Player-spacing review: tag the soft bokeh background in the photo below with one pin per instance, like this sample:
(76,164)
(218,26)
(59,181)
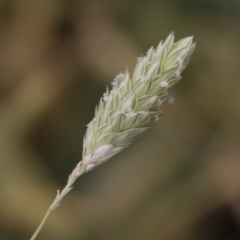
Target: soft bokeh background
(180,181)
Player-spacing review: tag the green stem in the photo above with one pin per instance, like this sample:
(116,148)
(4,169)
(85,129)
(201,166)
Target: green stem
(41,224)
(77,172)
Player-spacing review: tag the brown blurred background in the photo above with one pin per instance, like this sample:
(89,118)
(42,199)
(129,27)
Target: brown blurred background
(180,181)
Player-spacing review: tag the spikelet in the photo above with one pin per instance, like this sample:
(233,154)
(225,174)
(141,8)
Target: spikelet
(125,112)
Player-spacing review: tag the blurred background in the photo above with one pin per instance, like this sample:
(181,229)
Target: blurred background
(180,181)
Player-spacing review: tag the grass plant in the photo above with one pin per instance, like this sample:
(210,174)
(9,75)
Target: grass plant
(126,110)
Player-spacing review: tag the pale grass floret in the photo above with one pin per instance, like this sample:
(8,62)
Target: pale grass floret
(171,100)
(117,78)
(164,83)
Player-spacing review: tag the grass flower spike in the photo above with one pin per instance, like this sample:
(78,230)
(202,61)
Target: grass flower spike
(125,112)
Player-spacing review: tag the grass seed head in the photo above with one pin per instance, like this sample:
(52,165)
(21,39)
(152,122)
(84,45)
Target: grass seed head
(125,112)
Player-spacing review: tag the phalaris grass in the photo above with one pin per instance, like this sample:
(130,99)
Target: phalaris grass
(125,112)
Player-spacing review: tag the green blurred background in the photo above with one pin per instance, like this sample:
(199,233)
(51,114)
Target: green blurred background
(181,181)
